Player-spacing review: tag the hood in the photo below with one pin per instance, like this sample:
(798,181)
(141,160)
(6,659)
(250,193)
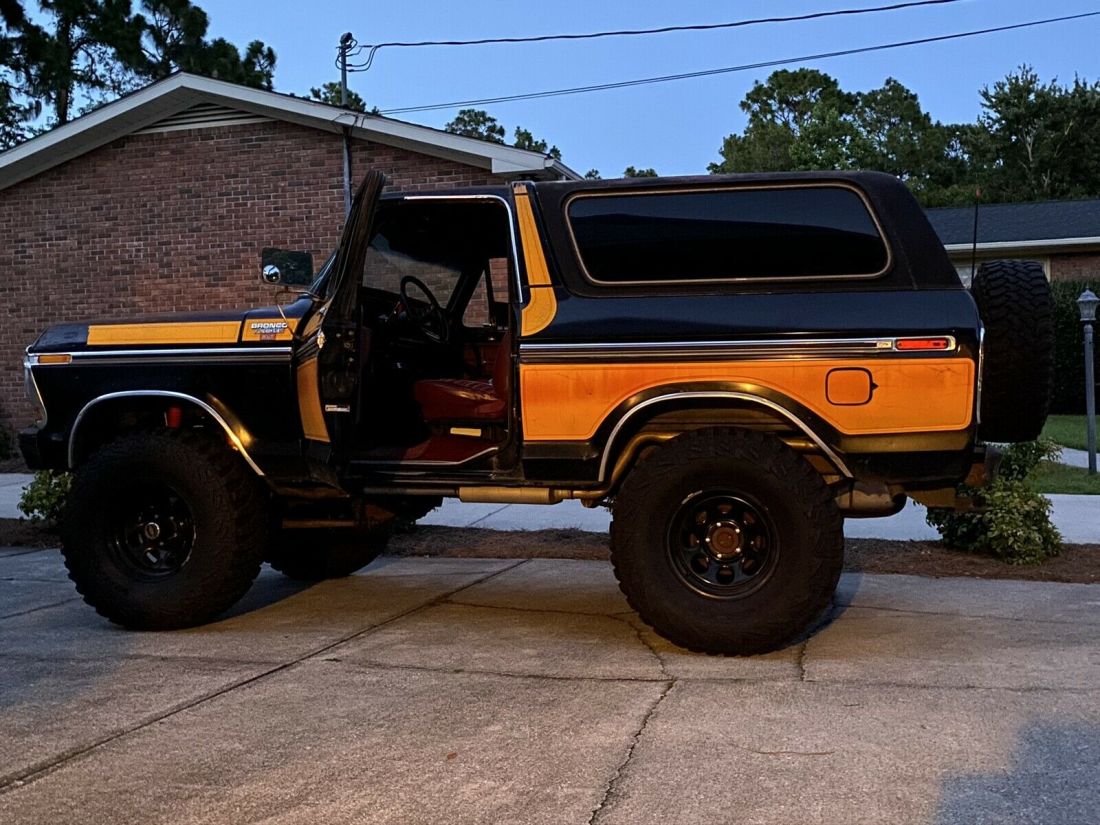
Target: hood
(220,328)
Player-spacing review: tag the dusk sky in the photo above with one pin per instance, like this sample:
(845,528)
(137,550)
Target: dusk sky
(674,127)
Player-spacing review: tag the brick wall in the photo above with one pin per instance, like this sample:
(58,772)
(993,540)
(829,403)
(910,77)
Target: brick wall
(176,221)
(1084,267)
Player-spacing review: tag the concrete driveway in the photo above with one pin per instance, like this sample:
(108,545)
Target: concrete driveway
(454,691)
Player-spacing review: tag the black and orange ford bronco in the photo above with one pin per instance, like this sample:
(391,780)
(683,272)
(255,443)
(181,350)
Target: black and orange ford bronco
(733,365)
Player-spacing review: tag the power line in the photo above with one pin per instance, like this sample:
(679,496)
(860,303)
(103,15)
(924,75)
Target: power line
(373,49)
(731,69)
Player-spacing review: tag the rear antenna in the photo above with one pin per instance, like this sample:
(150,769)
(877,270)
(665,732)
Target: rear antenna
(974,246)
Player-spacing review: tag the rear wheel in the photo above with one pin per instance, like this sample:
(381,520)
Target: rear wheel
(163,529)
(726,541)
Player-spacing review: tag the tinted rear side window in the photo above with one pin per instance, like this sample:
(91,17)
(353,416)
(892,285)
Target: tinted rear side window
(745,234)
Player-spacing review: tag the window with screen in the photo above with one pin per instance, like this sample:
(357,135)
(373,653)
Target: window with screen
(727,234)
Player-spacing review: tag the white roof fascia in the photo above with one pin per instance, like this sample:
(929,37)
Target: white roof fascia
(180,91)
(1008,246)
(127,114)
(497,157)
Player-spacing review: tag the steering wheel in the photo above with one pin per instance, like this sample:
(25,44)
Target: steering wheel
(432,321)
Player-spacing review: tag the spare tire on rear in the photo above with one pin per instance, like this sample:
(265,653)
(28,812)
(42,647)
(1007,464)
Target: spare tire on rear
(1016,306)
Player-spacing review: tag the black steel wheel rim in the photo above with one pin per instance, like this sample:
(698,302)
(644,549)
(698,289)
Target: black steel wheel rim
(152,532)
(722,544)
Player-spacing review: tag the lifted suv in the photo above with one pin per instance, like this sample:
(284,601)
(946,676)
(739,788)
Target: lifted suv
(732,364)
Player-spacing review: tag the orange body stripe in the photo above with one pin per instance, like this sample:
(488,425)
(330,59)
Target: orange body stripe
(309,401)
(181,332)
(543,306)
(569,401)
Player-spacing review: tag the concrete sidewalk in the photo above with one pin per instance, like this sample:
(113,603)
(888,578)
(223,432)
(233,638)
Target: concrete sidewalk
(1074,458)
(1078,517)
(11,490)
(479,691)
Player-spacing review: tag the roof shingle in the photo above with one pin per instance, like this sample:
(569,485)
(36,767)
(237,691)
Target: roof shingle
(1015,222)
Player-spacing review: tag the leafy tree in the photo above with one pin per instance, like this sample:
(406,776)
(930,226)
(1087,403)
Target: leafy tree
(593,174)
(224,61)
(525,140)
(79,49)
(476,123)
(330,93)
(1039,140)
(631,172)
(779,111)
(15,107)
(94,50)
(174,39)
(801,120)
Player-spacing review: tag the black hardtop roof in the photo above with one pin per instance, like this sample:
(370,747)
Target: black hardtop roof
(864,180)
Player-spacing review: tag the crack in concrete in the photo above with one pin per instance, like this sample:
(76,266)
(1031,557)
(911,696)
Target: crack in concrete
(639,631)
(615,616)
(40,607)
(611,789)
(1086,691)
(25,552)
(1080,620)
(138,656)
(462,671)
(801,660)
(34,772)
(34,580)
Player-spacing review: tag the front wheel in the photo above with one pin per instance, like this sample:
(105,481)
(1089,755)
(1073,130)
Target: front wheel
(163,530)
(726,541)
(316,555)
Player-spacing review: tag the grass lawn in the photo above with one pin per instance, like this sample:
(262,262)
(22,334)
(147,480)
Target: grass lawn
(1058,478)
(1067,430)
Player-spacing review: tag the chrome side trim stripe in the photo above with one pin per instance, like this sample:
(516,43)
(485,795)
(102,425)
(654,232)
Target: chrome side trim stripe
(402,464)
(716,394)
(234,437)
(717,350)
(981,373)
(279,353)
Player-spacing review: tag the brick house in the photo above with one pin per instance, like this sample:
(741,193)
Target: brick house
(163,200)
(1064,236)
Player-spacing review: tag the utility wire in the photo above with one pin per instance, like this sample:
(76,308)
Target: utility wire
(731,69)
(373,49)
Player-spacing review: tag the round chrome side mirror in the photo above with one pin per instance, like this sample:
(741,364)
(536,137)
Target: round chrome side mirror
(271,274)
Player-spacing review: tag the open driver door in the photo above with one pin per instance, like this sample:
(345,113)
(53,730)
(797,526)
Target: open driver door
(326,358)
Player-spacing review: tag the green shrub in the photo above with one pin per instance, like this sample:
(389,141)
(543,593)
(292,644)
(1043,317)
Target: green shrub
(44,498)
(1069,358)
(1012,522)
(1018,461)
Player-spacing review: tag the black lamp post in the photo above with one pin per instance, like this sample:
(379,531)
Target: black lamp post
(1087,303)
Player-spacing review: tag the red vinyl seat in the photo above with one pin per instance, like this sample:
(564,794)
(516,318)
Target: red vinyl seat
(463,399)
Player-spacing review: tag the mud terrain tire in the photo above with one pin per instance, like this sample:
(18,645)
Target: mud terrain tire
(163,529)
(1016,306)
(726,541)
